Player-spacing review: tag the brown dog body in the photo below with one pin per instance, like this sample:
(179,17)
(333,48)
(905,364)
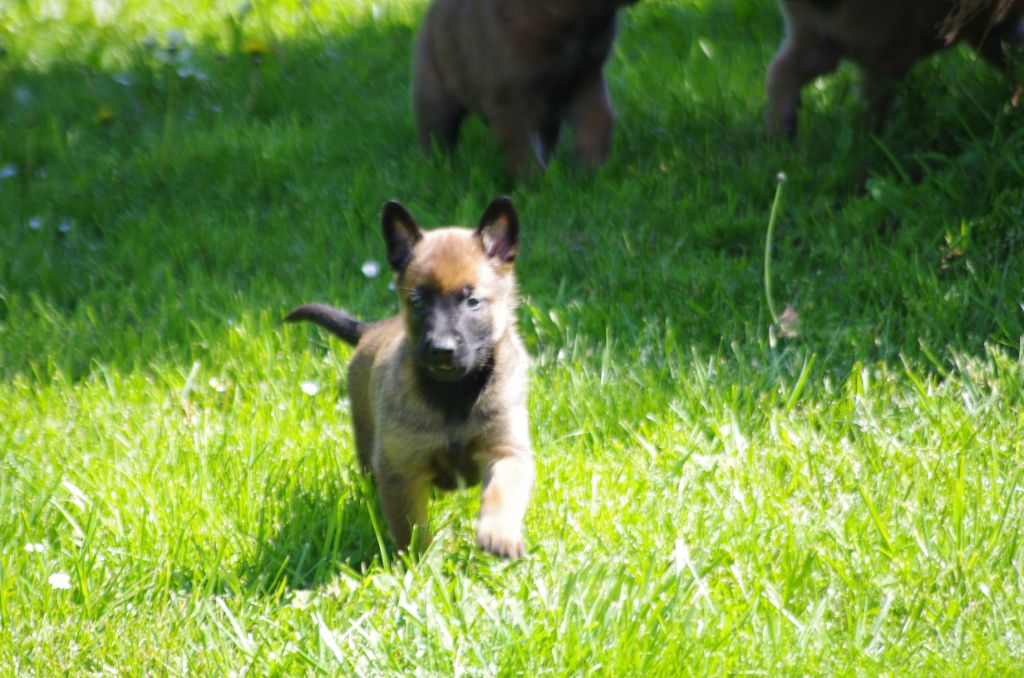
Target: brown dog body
(526,66)
(885,38)
(438,392)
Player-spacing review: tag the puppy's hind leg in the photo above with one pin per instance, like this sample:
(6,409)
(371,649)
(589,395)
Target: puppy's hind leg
(547,137)
(518,137)
(592,119)
(404,500)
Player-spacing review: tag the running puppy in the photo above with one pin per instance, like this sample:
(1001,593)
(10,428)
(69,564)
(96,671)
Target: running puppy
(886,38)
(526,66)
(438,391)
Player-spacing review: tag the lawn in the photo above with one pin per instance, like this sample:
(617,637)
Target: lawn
(717,492)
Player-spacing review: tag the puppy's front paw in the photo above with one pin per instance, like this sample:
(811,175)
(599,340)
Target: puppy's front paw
(780,121)
(500,537)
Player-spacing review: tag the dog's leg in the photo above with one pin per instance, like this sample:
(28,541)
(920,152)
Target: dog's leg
(803,57)
(878,90)
(591,117)
(438,115)
(404,501)
(548,137)
(516,130)
(506,491)
(362,414)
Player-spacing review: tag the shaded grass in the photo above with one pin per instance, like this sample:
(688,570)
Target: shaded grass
(709,499)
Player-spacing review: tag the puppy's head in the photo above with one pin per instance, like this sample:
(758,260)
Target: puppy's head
(456,286)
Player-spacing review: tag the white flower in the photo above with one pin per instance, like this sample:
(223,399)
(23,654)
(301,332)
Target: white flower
(64,226)
(310,388)
(371,268)
(301,598)
(9,170)
(174,37)
(38,547)
(190,71)
(23,95)
(35,223)
(59,580)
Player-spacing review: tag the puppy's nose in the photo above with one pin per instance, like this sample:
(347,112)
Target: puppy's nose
(440,355)
(441,349)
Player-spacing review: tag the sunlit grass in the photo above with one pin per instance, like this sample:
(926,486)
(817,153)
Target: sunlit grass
(178,489)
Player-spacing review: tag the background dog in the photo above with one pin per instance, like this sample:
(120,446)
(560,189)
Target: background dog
(438,391)
(885,37)
(525,65)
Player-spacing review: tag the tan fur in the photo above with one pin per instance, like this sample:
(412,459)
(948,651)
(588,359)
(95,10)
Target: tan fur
(401,437)
(524,65)
(885,38)
(449,262)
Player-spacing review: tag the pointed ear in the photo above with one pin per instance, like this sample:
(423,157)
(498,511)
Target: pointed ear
(400,233)
(499,230)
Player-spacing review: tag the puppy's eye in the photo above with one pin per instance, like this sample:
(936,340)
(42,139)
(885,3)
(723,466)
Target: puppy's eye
(417,304)
(474,303)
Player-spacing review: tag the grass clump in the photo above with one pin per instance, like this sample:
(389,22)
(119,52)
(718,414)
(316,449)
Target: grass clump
(178,489)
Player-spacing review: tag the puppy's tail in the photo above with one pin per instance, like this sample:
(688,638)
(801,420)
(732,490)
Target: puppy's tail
(335,320)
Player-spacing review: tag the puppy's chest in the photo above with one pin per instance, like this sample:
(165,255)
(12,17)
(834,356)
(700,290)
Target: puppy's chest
(454,467)
(449,453)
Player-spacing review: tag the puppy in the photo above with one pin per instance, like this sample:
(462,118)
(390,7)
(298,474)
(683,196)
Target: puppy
(526,66)
(886,38)
(438,391)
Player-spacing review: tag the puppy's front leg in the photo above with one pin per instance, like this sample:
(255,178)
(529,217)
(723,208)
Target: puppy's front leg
(438,114)
(404,501)
(507,481)
(802,58)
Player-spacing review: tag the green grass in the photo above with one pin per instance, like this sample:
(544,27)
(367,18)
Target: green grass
(712,497)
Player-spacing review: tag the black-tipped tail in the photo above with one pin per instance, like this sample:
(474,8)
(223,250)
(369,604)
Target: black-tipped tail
(333,319)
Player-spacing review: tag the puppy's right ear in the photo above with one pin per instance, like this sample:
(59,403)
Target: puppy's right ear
(400,233)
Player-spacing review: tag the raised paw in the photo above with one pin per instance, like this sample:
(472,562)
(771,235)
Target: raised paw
(500,537)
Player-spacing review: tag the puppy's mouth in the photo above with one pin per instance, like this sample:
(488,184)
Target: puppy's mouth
(446,371)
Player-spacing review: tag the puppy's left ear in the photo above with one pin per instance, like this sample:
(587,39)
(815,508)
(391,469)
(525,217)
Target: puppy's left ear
(499,230)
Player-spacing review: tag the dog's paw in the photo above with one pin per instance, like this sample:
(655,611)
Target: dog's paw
(500,537)
(780,124)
